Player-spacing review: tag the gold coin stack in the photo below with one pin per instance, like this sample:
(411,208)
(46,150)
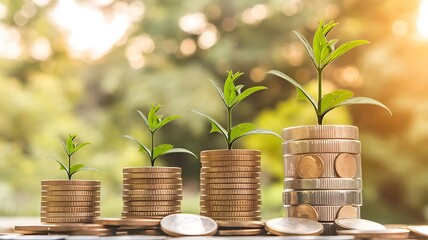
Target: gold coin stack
(70,201)
(151,192)
(322,173)
(230,188)
(66,229)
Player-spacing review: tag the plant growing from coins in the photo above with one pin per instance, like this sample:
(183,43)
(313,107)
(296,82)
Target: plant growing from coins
(70,148)
(322,53)
(231,95)
(154,122)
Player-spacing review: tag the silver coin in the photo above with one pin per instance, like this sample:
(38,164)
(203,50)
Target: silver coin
(322,146)
(320,132)
(293,226)
(323,183)
(323,197)
(357,224)
(184,224)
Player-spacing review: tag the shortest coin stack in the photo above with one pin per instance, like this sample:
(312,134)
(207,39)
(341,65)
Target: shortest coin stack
(149,227)
(66,229)
(70,201)
(152,192)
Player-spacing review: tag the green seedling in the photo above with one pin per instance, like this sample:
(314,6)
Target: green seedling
(322,53)
(154,122)
(231,95)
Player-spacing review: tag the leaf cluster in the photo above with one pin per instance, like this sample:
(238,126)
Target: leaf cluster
(154,122)
(322,53)
(232,94)
(71,147)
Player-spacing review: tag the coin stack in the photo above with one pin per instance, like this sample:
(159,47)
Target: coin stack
(230,188)
(70,201)
(322,173)
(66,229)
(151,192)
(132,226)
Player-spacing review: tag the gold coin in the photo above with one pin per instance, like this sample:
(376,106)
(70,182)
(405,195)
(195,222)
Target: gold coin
(70,204)
(231,203)
(127,222)
(150,175)
(241,232)
(151,208)
(231,158)
(151,186)
(153,181)
(240,224)
(148,214)
(71,198)
(70,188)
(230,186)
(130,198)
(232,163)
(184,224)
(66,219)
(57,227)
(231,175)
(237,219)
(69,214)
(346,165)
(230,169)
(390,233)
(152,203)
(227,197)
(325,213)
(293,226)
(231,214)
(348,211)
(152,170)
(419,231)
(145,232)
(70,193)
(322,146)
(310,166)
(70,209)
(152,192)
(230,180)
(230,152)
(306,211)
(33,232)
(357,224)
(94,232)
(230,191)
(71,182)
(230,208)
(320,132)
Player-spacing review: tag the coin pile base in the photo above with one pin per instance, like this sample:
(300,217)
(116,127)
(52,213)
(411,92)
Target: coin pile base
(149,226)
(237,228)
(66,229)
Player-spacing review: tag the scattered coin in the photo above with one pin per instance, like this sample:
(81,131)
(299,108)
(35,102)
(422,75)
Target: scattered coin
(310,166)
(419,231)
(241,232)
(293,226)
(390,233)
(145,232)
(188,225)
(357,224)
(55,228)
(148,214)
(346,165)
(127,222)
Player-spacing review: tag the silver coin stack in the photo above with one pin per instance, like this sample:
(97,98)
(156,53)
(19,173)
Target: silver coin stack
(322,175)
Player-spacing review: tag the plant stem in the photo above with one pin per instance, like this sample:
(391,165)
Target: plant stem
(320,117)
(69,167)
(152,150)
(229,127)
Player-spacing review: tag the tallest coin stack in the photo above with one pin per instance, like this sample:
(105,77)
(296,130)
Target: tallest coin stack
(322,173)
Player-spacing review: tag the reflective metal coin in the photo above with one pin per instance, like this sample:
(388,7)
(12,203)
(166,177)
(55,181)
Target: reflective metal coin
(323,197)
(390,233)
(140,186)
(322,146)
(184,224)
(348,211)
(310,166)
(127,222)
(321,132)
(357,224)
(293,226)
(240,224)
(241,232)
(306,211)
(231,214)
(152,170)
(230,180)
(230,175)
(323,184)
(71,182)
(327,213)
(152,181)
(346,165)
(230,169)
(419,231)
(230,152)
(151,175)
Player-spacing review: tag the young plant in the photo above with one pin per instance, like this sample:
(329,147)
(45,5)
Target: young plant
(70,148)
(154,122)
(232,95)
(322,53)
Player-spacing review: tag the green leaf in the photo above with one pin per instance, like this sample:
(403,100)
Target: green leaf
(229,91)
(328,27)
(161,149)
(257,131)
(142,146)
(361,100)
(178,150)
(307,46)
(343,49)
(144,118)
(318,43)
(299,87)
(239,88)
(77,147)
(215,126)
(153,119)
(334,98)
(166,121)
(240,130)
(247,92)
(62,167)
(76,168)
(69,144)
(219,91)
(328,49)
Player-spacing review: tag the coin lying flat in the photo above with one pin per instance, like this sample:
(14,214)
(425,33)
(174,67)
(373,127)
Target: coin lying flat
(320,132)
(127,222)
(322,146)
(323,197)
(240,224)
(357,224)
(230,152)
(152,170)
(293,226)
(390,233)
(230,180)
(58,227)
(241,232)
(419,231)
(153,181)
(184,224)
(71,182)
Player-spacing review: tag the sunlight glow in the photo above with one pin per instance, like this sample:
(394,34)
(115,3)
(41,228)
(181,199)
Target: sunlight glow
(193,23)
(188,47)
(10,42)
(422,21)
(399,28)
(254,14)
(208,37)
(40,49)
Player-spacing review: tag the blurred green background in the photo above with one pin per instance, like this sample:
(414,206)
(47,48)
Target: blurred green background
(85,67)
